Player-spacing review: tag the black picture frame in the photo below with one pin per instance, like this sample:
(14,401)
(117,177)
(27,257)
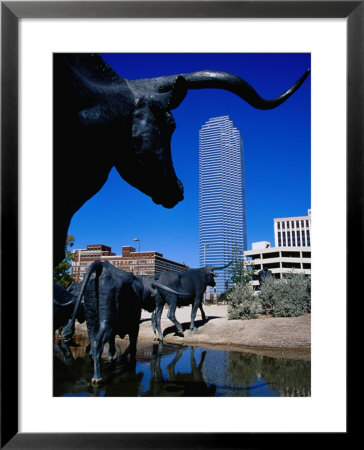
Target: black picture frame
(11,13)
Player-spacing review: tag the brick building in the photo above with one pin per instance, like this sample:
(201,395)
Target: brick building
(140,263)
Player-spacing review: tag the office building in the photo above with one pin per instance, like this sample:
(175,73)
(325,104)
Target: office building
(279,260)
(293,231)
(222,210)
(292,251)
(140,263)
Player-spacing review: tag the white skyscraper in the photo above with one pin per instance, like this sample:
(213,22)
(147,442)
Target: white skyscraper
(222,210)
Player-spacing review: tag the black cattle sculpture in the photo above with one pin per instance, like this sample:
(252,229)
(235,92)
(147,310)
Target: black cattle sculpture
(113,300)
(151,288)
(263,275)
(154,316)
(64,302)
(193,284)
(102,121)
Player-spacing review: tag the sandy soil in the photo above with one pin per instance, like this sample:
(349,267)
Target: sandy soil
(287,332)
(288,336)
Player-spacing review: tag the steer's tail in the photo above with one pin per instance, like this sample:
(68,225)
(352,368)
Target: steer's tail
(96,267)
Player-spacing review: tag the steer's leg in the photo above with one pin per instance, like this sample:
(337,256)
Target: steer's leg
(202,312)
(68,332)
(112,347)
(91,336)
(154,322)
(171,316)
(133,337)
(158,316)
(193,314)
(102,336)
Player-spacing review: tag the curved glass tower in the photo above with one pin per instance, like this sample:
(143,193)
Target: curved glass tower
(222,210)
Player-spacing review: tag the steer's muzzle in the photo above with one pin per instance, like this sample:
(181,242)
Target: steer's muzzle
(169,197)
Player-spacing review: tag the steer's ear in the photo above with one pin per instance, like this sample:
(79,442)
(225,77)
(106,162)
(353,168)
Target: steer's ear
(171,97)
(178,92)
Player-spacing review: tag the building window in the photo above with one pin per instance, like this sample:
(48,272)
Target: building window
(279,239)
(283,225)
(298,238)
(294,239)
(308,238)
(297,223)
(307,225)
(278,225)
(287,225)
(292,223)
(303,238)
(302,223)
(284,239)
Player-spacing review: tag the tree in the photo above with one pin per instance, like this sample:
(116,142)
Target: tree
(62,273)
(238,270)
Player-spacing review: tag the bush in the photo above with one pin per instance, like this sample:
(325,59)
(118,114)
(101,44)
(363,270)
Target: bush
(289,297)
(223,296)
(243,304)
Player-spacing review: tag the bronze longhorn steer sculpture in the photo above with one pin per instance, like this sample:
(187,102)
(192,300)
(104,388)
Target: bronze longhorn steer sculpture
(102,120)
(113,300)
(193,284)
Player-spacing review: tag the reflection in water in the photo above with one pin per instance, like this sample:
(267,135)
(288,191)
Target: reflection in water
(282,377)
(166,370)
(181,384)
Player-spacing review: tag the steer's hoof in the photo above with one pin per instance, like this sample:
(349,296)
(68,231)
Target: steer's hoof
(195,330)
(96,381)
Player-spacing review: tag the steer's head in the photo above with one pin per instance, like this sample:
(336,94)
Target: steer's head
(210,277)
(211,274)
(151,168)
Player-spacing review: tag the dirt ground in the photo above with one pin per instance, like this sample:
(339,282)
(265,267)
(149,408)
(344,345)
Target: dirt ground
(288,337)
(265,332)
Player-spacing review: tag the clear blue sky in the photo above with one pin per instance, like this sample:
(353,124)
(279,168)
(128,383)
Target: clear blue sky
(277,151)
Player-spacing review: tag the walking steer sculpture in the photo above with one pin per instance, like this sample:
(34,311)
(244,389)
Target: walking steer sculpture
(113,300)
(103,121)
(193,284)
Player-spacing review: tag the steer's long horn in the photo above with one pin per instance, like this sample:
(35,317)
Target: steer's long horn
(165,288)
(221,267)
(62,304)
(222,80)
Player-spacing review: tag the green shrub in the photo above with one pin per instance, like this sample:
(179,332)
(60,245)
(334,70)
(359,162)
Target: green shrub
(289,297)
(243,304)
